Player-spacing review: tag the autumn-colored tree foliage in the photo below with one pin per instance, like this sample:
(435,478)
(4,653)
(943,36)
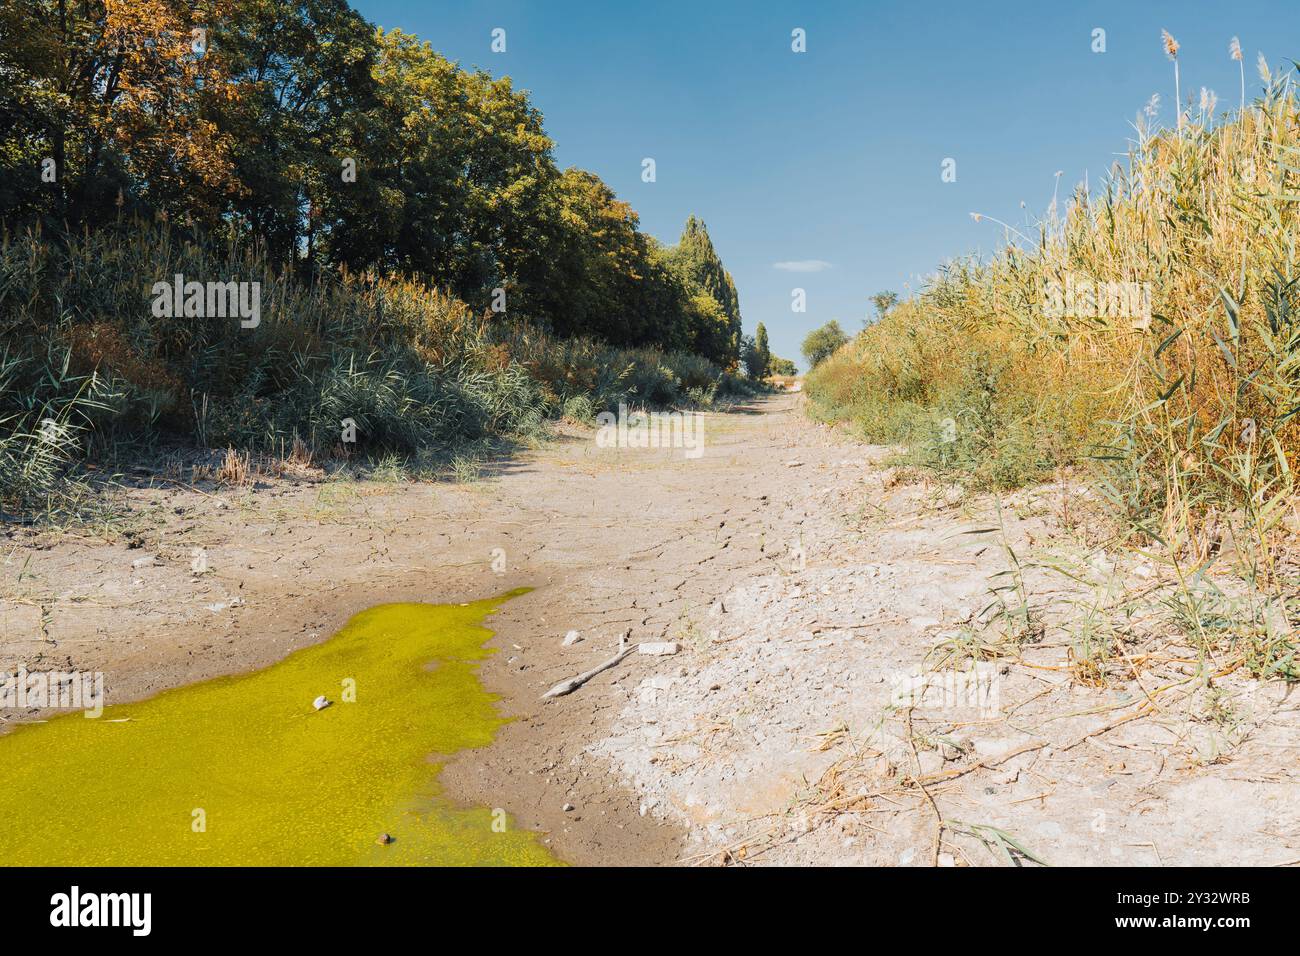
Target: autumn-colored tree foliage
(109,103)
(297,128)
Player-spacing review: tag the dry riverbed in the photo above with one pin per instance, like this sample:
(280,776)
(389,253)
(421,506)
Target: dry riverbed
(808,586)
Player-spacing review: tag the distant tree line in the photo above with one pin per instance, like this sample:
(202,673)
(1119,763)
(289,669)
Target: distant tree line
(297,126)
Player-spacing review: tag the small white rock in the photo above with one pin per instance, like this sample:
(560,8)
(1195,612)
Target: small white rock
(321,702)
(658,647)
(570,639)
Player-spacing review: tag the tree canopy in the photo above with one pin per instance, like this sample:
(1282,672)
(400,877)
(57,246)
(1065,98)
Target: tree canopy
(820,344)
(757,354)
(300,127)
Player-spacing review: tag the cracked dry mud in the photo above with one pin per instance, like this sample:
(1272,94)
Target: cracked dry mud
(805,583)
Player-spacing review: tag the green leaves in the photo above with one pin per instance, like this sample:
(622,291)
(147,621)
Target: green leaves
(716,332)
(304,129)
(1167,342)
(820,344)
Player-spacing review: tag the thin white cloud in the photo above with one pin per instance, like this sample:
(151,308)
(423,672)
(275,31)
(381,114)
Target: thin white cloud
(802,265)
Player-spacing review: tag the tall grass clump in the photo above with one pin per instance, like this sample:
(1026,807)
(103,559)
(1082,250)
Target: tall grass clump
(1151,328)
(1149,333)
(42,419)
(87,369)
(409,364)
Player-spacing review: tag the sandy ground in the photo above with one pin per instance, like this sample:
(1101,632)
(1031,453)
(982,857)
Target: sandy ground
(808,587)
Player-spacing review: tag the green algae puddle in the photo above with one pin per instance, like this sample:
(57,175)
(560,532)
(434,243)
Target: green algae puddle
(243,771)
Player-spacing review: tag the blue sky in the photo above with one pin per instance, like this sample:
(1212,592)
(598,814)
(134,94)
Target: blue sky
(834,155)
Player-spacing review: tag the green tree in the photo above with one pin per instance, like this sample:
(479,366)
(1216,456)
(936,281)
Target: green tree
(782,366)
(698,263)
(304,69)
(764,351)
(297,127)
(820,344)
(748,354)
(709,329)
(605,277)
(456,183)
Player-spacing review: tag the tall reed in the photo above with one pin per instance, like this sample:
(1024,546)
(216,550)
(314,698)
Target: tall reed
(1181,388)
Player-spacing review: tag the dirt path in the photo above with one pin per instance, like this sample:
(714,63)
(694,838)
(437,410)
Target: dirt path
(803,582)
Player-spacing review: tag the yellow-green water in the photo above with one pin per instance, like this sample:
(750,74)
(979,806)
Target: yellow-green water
(243,771)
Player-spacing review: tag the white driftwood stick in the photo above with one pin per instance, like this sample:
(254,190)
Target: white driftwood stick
(573,683)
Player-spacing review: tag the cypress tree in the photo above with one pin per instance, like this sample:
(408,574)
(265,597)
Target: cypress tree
(699,264)
(762,353)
